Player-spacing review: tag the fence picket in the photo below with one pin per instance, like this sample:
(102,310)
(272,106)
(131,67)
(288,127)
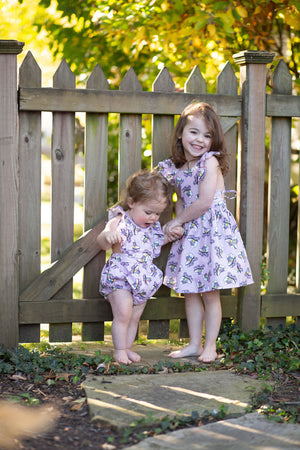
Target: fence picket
(30,188)
(62,197)
(95,197)
(9,274)
(227,84)
(279,195)
(130,137)
(162,129)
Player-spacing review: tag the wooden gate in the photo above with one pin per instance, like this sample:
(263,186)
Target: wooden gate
(29,297)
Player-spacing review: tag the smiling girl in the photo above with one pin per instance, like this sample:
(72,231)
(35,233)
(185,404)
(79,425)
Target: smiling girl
(210,255)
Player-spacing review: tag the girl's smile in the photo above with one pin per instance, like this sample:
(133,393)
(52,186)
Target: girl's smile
(196,139)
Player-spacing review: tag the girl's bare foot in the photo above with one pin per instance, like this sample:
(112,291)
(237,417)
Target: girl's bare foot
(208,355)
(122,357)
(189,350)
(134,357)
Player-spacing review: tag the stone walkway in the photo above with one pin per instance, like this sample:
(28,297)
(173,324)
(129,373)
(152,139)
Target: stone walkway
(123,400)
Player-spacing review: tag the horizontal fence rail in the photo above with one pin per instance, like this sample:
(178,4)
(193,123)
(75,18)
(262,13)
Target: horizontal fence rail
(50,99)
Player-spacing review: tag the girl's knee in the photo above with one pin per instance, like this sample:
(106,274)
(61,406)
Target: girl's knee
(212,297)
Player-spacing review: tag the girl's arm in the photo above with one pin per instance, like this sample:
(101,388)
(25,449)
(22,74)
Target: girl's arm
(110,236)
(207,189)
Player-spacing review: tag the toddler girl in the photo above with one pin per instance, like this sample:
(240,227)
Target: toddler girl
(129,277)
(210,256)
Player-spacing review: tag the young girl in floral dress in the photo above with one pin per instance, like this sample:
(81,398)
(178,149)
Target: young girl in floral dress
(129,277)
(211,255)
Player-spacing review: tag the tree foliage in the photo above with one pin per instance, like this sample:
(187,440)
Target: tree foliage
(148,34)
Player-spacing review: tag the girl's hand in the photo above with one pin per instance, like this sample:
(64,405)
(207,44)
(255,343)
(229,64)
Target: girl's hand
(176,232)
(171,224)
(108,239)
(173,232)
(113,237)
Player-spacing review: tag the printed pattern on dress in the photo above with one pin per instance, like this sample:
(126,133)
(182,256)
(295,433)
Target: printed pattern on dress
(211,254)
(133,268)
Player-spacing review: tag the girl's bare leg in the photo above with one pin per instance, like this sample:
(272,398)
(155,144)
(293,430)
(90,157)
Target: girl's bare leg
(121,305)
(213,317)
(137,311)
(194,314)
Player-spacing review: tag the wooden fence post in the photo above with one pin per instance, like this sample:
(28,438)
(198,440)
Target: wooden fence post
(251,176)
(9,274)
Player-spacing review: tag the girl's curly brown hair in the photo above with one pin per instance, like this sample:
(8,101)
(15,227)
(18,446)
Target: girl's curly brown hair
(207,113)
(143,186)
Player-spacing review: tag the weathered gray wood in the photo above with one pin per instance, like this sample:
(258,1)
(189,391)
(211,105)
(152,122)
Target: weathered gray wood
(167,103)
(251,182)
(130,137)
(162,130)
(98,310)
(183,329)
(280,305)
(195,84)
(30,189)
(38,304)
(283,105)
(95,197)
(62,195)
(279,193)
(162,126)
(70,262)
(9,273)
(227,84)
(158,329)
(49,99)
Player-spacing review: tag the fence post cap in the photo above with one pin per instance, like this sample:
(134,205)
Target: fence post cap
(11,46)
(253,57)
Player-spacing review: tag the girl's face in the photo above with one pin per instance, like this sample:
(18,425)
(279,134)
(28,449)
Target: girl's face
(147,212)
(196,139)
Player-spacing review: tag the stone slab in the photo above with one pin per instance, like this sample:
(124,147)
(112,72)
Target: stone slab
(249,432)
(120,400)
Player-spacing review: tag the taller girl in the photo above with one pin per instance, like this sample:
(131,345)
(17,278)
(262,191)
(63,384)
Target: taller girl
(211,255)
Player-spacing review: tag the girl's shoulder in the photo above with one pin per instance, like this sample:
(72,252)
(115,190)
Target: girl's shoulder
(167,169)
(202,164)
(208,155)
(115,211)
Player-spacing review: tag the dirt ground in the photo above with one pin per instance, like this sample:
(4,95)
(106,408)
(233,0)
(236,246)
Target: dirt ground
(73,428)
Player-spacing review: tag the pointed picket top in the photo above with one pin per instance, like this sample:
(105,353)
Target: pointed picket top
(130,82)
(30,74)
(164,82)
(195,84)
(226,81)
(282,79)
(97,79)
(64,78)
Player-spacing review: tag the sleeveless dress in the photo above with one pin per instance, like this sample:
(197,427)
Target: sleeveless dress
(211,254)
(133,269)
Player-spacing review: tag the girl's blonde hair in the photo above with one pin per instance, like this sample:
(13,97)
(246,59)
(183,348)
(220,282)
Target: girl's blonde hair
(144,186)
(207,113)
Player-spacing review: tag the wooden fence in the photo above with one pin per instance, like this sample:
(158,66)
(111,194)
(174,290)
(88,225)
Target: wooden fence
(29,297)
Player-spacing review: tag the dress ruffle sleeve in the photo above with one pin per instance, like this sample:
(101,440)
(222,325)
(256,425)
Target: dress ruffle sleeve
(201,164)
(168,170)
(115,211)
